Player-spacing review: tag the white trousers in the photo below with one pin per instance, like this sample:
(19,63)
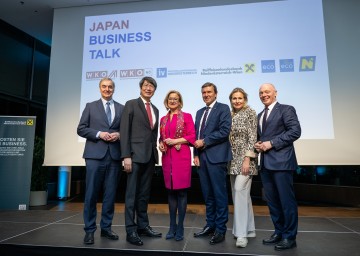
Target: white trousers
(243,211)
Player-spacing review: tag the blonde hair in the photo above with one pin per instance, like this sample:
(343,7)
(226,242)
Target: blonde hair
(235,90)
(167,98)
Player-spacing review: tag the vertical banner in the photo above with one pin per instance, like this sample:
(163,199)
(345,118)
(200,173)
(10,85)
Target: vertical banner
(16,153)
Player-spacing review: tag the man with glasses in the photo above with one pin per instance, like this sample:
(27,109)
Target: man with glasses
(139,131)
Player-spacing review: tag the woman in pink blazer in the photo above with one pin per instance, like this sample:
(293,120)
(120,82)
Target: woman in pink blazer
(177,133)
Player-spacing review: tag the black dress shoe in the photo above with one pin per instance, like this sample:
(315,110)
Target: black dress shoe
(285,244)
(274,239)
(217,238)
(207,231)
(133,238)
(109,234)
(89,238)
(148,231)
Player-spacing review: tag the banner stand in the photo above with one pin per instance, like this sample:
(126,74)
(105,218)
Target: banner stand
(17,135)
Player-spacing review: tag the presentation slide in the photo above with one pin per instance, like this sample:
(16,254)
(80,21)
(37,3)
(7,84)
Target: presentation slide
(307,48)
(184,48)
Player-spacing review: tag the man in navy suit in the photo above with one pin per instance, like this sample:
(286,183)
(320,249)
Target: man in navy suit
(100,125)
(139,131)
(212,154)
(278,128)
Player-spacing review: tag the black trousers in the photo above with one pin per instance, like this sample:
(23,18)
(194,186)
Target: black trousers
(137,195)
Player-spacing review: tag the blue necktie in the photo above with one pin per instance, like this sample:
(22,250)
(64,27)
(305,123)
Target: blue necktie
(202,126)
(108,112)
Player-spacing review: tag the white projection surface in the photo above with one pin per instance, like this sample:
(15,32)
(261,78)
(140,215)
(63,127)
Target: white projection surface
(182,49)
(235,45)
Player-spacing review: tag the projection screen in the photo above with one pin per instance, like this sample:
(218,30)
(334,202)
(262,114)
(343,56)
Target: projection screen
(291,44)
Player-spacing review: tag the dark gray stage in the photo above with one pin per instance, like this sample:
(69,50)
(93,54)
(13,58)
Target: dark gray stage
(44,232)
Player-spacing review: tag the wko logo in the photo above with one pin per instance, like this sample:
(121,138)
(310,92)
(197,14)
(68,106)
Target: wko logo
(135,73)
(307,63)
(96,74)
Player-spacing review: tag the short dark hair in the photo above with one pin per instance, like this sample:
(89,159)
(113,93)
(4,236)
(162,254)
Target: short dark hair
(207,84)
(149,80)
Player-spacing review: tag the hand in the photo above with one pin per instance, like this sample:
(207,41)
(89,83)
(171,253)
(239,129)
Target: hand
(114,136)
(196,161)
(262,146)
(105,136)
(127,164)
(266,145)
(199,144)
(257,146)
(170,142)
(245,169)
(162,147)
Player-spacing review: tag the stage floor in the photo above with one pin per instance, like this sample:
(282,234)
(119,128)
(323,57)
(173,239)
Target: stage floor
(59,231)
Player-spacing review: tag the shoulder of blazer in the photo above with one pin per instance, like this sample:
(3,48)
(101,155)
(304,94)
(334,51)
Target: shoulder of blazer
(118,104)
(220,105)
(96,102)
(279,107)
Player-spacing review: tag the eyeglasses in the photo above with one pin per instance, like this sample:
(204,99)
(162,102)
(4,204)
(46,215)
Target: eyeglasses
(173,99)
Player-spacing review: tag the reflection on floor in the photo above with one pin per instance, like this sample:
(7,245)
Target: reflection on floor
(57,229)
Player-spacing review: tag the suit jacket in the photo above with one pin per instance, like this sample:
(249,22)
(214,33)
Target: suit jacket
(282,129)
(138,140)
(93,120)
(216,133)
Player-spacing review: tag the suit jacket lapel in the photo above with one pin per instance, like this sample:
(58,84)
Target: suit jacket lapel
(100,106)
(273,112)
(143,110)
(212,112)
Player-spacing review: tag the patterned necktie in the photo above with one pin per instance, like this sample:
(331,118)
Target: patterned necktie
(264,120)
(108,112)
(148,110)
(202,126)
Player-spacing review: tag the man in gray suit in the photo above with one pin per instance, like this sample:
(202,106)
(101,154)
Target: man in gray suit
(139,131)
(278,129)
(100,125)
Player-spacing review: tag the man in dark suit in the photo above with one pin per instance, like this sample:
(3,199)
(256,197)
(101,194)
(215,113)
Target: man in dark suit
(278,128)
(139,131)
(100,125)
(212,154)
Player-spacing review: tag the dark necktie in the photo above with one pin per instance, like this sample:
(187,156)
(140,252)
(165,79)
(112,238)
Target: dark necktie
(264,120)
(108,112)
(202,126)
(262,131)
(148,111)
